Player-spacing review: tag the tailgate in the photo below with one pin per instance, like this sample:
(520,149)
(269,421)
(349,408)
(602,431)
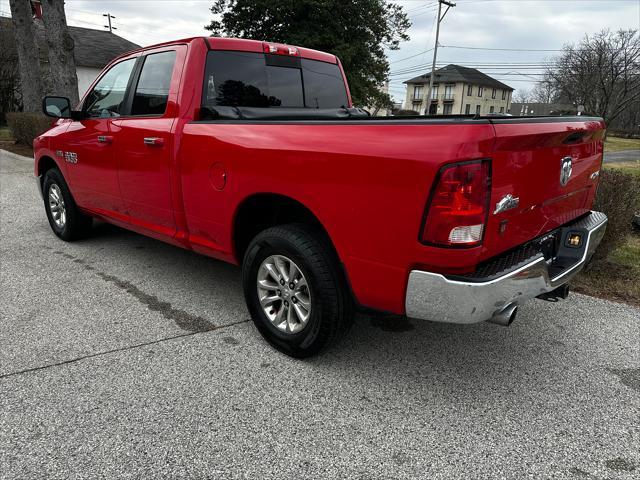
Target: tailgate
(549,165)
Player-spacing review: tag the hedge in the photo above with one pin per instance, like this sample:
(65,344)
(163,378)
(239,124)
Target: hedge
(27,126)
(619,198)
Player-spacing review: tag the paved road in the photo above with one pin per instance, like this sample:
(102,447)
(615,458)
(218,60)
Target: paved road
(622,156)
(123,356)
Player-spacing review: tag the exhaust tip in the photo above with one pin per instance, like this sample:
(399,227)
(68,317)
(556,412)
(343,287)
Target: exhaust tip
(506,316)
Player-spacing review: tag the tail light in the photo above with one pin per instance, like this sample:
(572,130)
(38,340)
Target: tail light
(458,206)
(278,49)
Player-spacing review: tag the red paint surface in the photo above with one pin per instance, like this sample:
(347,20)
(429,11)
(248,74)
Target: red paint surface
(366,183)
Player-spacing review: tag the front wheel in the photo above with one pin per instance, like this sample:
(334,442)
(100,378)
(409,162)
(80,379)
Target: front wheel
(66,220)
(295,290)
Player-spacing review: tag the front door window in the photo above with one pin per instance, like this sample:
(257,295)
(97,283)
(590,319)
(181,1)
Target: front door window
(106,99)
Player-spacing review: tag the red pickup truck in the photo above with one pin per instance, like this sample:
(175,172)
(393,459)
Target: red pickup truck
(252,153)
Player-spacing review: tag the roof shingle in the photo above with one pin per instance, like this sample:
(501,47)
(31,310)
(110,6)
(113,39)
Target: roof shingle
(456,73)
(93,48)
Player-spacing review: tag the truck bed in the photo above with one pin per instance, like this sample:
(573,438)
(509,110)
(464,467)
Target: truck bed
(368,179)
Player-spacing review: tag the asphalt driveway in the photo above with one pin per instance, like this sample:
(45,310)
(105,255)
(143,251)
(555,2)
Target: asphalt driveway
(621,156)
(121,356)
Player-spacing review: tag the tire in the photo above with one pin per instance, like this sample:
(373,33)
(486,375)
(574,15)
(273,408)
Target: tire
(65,219)
(319,281)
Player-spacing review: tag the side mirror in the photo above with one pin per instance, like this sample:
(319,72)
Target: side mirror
(58,107)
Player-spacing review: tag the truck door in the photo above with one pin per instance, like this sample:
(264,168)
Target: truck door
(88,143)
(144,141)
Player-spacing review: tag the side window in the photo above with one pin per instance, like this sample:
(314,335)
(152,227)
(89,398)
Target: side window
(152,91)
(107,97)
(323,85)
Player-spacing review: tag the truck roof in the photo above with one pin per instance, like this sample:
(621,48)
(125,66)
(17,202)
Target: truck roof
(243,45)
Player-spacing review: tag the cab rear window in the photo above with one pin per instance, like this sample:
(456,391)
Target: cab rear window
(248,79)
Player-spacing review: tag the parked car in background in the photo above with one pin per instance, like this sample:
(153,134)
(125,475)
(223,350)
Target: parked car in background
(251,152)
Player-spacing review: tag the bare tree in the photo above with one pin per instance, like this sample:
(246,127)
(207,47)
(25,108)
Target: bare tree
(602,73)
(61,50)
(544,91)
(521,96)
(29,67)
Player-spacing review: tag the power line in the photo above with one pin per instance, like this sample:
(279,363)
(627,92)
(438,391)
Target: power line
(504,49)
(412,56)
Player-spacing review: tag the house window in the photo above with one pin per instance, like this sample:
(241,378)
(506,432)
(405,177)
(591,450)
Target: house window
(417,92)
(467,109)
(504,94)
(501,109)
(491,109)
(448,109)
(469,90)
(477,109)
(479,91)
(448,92)
(434,92)
(493,93)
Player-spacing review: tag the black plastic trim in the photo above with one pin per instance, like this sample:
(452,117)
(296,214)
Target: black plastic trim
(350,120)
(131,86)
(545,119)
(404,120)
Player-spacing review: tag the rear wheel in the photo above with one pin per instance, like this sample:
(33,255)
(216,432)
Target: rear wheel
(65,219)
(295,290)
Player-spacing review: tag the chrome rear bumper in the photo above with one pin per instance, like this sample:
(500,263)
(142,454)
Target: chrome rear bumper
(432,296)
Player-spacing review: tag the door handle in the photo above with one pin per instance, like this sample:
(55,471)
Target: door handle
(154,141)
(105,138)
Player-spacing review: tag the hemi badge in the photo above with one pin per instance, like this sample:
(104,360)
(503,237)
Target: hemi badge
(595,175)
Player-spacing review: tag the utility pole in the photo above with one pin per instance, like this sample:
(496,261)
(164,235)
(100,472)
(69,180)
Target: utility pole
(435,50)
(109,17)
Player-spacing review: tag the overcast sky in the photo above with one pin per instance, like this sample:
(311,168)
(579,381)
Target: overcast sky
(499,24)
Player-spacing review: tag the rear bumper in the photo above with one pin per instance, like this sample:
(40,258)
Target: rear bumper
(507,281)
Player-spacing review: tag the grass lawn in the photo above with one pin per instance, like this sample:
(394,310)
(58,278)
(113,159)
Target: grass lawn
(632,167)
(5,134)
(616,144)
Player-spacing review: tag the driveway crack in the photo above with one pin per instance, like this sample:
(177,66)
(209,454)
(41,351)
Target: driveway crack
(116,350)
